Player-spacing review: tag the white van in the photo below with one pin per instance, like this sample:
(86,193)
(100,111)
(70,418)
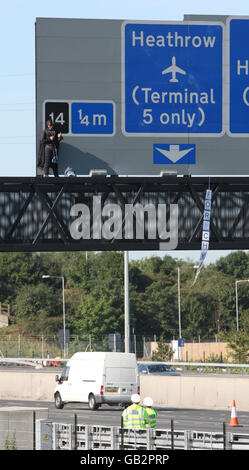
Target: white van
(96,378)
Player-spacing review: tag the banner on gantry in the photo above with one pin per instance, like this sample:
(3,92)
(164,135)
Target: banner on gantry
(205,232)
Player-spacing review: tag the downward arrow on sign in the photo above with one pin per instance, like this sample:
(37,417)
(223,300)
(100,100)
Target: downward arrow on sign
(174,153)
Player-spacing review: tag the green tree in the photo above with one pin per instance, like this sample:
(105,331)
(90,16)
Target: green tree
(236,265)
(95,294)
(38,309)
(161,307)
(197,315)
(101,312)
(141,319)
(16,270)
(238,342)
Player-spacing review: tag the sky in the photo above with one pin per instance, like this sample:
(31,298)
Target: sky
(17,72)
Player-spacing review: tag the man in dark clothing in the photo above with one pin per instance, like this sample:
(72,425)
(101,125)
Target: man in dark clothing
(49,147)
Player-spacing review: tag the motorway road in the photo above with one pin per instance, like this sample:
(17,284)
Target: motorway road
(183,419)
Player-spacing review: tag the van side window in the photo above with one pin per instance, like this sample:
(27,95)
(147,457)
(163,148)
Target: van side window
(65,374)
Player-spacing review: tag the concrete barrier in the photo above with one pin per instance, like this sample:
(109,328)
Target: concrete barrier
(27,385)
(204,392)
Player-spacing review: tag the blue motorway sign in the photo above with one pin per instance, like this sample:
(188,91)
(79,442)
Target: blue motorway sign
(92,118)
(172,78)
(81,118)
(238,31)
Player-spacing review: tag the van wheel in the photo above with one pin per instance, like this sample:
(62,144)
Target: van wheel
(93,405)
(58,401)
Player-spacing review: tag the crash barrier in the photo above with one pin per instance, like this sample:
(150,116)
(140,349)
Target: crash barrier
(59,436)
(38,363)
(184,391)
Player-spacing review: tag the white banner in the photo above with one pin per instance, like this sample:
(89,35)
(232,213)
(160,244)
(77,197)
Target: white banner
(205,232)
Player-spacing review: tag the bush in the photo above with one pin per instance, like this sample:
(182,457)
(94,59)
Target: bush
(163,353)
(10,444)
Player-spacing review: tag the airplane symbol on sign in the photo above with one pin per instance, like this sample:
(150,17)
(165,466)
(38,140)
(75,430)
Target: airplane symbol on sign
(173,69)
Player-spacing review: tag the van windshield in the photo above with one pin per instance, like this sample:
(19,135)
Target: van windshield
(124,374)
(65,373)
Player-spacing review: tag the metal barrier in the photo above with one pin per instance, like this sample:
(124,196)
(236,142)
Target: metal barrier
(201,366)
(59,436)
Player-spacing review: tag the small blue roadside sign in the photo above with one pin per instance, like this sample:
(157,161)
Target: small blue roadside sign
(172,78)
(180,342)
(93,118)
(174,154)
(238,118)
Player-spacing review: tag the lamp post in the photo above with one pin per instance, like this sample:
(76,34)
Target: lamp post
(126,302)
(179,304)
(179,299)
(237,300)
(47,276)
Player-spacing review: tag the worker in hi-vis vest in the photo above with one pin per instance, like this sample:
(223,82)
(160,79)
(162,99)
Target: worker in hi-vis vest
(151,413)
(135,415)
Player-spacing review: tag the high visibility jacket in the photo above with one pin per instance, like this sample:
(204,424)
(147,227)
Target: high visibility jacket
(151,416)
(135,416)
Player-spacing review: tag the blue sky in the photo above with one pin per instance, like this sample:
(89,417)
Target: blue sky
(17,73)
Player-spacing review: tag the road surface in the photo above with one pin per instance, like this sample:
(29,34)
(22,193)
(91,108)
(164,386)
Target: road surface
(183,419)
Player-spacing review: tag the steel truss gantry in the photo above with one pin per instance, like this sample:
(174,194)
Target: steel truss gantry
(35,211)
